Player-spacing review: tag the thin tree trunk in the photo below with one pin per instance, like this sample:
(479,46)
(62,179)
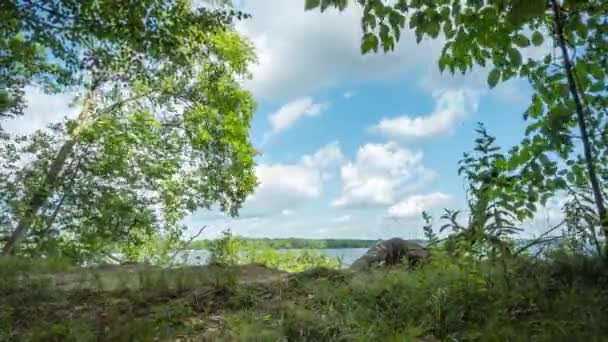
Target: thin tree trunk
(51,219)
(580,115)
(51,181)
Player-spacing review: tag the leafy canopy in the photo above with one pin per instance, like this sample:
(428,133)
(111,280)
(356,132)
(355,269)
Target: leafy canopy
(163,128)
(55,44)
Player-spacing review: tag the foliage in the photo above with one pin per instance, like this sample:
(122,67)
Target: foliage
(10,266)
(429,234)
(162,130)
(225,250)
(560,298)
(497,200)
(289,261)
(569,92)
(231,250)
(54,44)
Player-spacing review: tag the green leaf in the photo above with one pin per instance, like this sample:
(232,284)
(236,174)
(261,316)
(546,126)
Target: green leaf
(433,29)
(311,4)
(488,13)
(537,38)
(596,71)
(564,90)
(501,164)
(515,57)
(493,77)
(598,86)
(396,20)
(521,41)
(581,29)
(369,43)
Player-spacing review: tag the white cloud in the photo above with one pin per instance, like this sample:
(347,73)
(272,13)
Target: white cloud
(475,82)
(295,110)
(413,206)
(285,186)
(546,217)
(42,109)
(451,107)
(344,218)
(325,157)
(348,94)
(380,174)
(300,51)
(287,212)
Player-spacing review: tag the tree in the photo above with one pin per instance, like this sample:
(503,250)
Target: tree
(163,127)
(50,43)
(569,91)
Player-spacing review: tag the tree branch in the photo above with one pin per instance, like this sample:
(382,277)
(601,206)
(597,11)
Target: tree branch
(187,243)
(539,239)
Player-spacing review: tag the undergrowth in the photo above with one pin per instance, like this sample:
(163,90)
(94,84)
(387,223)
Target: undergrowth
(234,250)
(560,298)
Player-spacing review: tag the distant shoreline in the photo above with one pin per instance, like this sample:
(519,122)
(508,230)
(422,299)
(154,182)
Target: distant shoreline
(295,243)
(332,243)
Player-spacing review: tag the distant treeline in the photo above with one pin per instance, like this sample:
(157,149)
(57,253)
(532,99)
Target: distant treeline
(300,243)
(296,243)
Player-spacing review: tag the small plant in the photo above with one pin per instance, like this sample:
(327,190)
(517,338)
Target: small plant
(497,203)
(225,251)
(429,234)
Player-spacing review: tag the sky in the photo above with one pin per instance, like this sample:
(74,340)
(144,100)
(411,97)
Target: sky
(352,146)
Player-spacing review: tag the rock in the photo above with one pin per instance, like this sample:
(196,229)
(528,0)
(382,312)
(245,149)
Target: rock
(391,252)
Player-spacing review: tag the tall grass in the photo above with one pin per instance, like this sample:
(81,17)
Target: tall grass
(561,297)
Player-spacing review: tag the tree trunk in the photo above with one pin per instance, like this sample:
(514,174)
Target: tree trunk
(580,115)
(51,181)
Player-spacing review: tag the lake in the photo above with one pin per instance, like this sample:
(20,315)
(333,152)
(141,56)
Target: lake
(348,255)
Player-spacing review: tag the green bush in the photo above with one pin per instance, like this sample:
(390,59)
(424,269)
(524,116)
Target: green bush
(230,250)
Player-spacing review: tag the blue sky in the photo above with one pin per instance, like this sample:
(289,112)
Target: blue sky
(357,146)
(353,146)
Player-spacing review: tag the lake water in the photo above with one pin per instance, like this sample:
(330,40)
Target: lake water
(348,255)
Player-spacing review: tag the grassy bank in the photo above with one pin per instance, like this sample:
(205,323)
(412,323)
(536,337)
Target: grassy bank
(563,298)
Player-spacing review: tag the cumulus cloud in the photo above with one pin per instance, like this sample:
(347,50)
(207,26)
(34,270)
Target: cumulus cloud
(301,51)
(325,157)
(285,186)
(451,107)
(380,174)
(295,110)
(413,206)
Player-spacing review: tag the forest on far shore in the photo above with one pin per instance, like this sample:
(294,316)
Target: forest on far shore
(295,243)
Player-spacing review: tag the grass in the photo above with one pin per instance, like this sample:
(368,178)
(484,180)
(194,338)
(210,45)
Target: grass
(563,298)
